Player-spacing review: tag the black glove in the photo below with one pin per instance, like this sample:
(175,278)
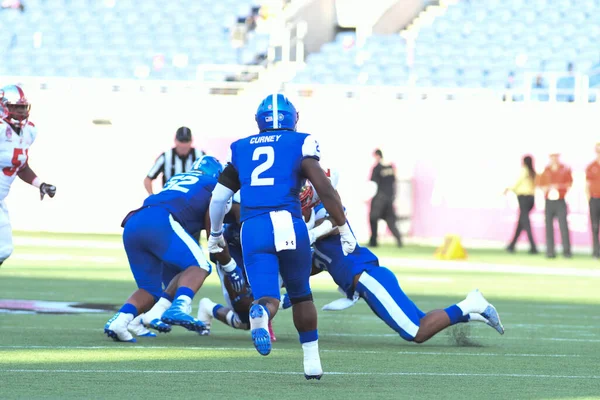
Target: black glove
(47,189)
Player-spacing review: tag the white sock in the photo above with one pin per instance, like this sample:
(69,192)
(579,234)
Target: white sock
(311,349)
(156,311)
(205,310)
(186,299)
(233,320)
(465,306)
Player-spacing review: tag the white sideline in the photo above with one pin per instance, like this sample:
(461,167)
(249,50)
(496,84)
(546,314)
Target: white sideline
(207,348)
(63,257)
(456,374)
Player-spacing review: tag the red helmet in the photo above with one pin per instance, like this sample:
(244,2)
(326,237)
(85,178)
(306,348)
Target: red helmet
(13,104)
(308,195)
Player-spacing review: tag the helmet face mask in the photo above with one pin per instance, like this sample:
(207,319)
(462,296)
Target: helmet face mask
(18,112)
(308,197)
(15,107)
(308,194)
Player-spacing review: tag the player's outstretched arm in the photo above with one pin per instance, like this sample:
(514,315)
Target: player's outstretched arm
(26,174)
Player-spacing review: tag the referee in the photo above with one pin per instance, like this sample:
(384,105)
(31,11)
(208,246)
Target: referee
(382,204)
(174,161)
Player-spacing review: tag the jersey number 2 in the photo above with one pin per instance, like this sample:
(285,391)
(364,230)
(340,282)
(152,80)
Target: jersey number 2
(18,160)
(255,180)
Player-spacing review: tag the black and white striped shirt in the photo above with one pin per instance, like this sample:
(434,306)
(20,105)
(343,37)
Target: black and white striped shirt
(170,163)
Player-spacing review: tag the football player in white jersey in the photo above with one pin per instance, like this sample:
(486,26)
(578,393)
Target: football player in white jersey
(17,134)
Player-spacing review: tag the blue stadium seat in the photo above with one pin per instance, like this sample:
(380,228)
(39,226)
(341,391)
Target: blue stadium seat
(88,25)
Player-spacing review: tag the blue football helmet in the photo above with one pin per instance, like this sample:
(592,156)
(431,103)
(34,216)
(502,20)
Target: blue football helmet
(208,165)
(286,118)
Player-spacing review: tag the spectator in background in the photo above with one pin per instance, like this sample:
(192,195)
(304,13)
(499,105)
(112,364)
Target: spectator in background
(510,82)
(592,191)
(382,204)
(566,85)
(540,89)
(174,161)
(555,181)
(524,188)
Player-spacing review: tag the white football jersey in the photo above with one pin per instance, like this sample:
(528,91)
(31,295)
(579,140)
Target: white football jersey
(14,149)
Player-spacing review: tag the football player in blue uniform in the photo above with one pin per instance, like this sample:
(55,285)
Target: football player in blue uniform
(269,168)
(159,242)
(360,275)
(236,310)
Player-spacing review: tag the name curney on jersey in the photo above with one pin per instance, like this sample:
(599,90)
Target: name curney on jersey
(264,139)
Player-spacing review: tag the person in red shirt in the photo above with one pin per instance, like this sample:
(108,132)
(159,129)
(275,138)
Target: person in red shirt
(592,190)
(555,181)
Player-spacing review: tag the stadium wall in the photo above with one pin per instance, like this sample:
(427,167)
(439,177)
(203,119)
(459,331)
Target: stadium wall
(459,156)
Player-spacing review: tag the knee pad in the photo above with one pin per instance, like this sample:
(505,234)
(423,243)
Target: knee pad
(301,299)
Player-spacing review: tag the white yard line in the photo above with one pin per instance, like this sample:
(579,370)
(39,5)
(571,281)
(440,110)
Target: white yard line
(66,243)
(520,338)
(207,348)
(63,257)
(327,373)
(327,334)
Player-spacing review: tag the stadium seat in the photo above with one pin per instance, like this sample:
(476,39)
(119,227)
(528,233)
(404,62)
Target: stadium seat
(171,27)
(477,44)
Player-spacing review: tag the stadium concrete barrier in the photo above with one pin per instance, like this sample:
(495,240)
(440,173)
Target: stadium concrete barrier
(459,156)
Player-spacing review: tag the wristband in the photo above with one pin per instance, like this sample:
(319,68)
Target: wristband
(216,234)
(344,228)
(230,266)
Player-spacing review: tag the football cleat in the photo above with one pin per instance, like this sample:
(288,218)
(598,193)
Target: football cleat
(159,326)
(312,367)
(205,308)
(486,309)
(137,328)
(493,318)
(259,325)
(178,314)
(116,328)
(312,361)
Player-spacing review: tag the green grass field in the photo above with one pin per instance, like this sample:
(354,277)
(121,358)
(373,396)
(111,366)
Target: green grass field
(550,309)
